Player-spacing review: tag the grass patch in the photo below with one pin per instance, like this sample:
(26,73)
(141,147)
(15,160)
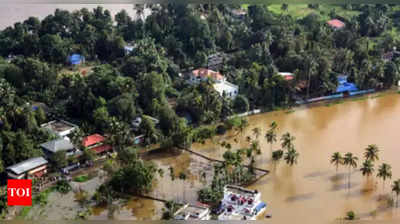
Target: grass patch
(24,212)
(82,178)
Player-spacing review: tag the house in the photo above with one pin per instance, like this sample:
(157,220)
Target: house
(203,74)
(60,144)
(96,143)
(239,13)
(336,24)
(59,128)
(34,167)
(36,105)
(192,212)
(287,75)
(138,120)
(223,87)
(138,139)
(128,49)
(344,86)
(239,202)
(76,59)
(226,89)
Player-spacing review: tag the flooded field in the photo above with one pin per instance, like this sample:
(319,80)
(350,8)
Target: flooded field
(311,191)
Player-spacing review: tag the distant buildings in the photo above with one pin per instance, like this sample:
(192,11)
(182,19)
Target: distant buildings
(239,13)
(336,24)
(391,55)
(286,75)
(34,167)
(192,212)
(59,128)
(223,87)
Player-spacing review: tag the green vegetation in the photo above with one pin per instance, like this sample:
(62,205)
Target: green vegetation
(82,178)
(63,186)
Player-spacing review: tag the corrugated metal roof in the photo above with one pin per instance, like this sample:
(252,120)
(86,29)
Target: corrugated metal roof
(57,145)
(27,165)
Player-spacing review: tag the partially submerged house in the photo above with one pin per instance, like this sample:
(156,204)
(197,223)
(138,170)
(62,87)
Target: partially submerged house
(59,128)
(336,24)
(34,167)
(96,143)
(223,87)
(60,144)
(192,212)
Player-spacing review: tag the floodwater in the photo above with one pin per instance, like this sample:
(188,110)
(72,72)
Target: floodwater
(311,191)
(12,13)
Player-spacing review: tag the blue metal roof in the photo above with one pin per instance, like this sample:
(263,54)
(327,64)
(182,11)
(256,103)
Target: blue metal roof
(345,86)
(75,59)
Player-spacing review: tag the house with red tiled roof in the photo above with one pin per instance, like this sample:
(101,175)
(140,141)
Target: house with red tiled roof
(203,74)
(336,24)
(96,143)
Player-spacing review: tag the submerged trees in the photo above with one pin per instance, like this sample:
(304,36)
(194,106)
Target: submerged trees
(351,162)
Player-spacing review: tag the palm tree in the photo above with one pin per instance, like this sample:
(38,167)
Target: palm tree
(371,153)
(367,168)
(384,172)
(291,156)
(396,190)
(287,141)
(350,161)
(311,68)
(337,160)
(256,132)
(271,137)
(273,125)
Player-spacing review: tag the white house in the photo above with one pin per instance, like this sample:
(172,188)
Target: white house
(223,87)
(227,89)
(60,128)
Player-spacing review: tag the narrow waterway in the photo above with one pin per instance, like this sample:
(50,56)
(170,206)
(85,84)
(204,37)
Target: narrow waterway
(311,191)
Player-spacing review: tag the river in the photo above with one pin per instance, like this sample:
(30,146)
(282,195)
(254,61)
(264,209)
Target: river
(311,192)
(12,13)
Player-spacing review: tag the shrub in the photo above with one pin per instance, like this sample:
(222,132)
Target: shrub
(63,186)
(350,215)
(221,129)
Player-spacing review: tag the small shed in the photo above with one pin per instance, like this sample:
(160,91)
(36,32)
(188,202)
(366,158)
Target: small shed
(345,86)
(76,59)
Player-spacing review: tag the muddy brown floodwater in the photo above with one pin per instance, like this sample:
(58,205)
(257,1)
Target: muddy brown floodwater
(311,192)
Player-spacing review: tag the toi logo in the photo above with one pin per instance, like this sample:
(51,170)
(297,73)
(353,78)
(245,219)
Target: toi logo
(19,192)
